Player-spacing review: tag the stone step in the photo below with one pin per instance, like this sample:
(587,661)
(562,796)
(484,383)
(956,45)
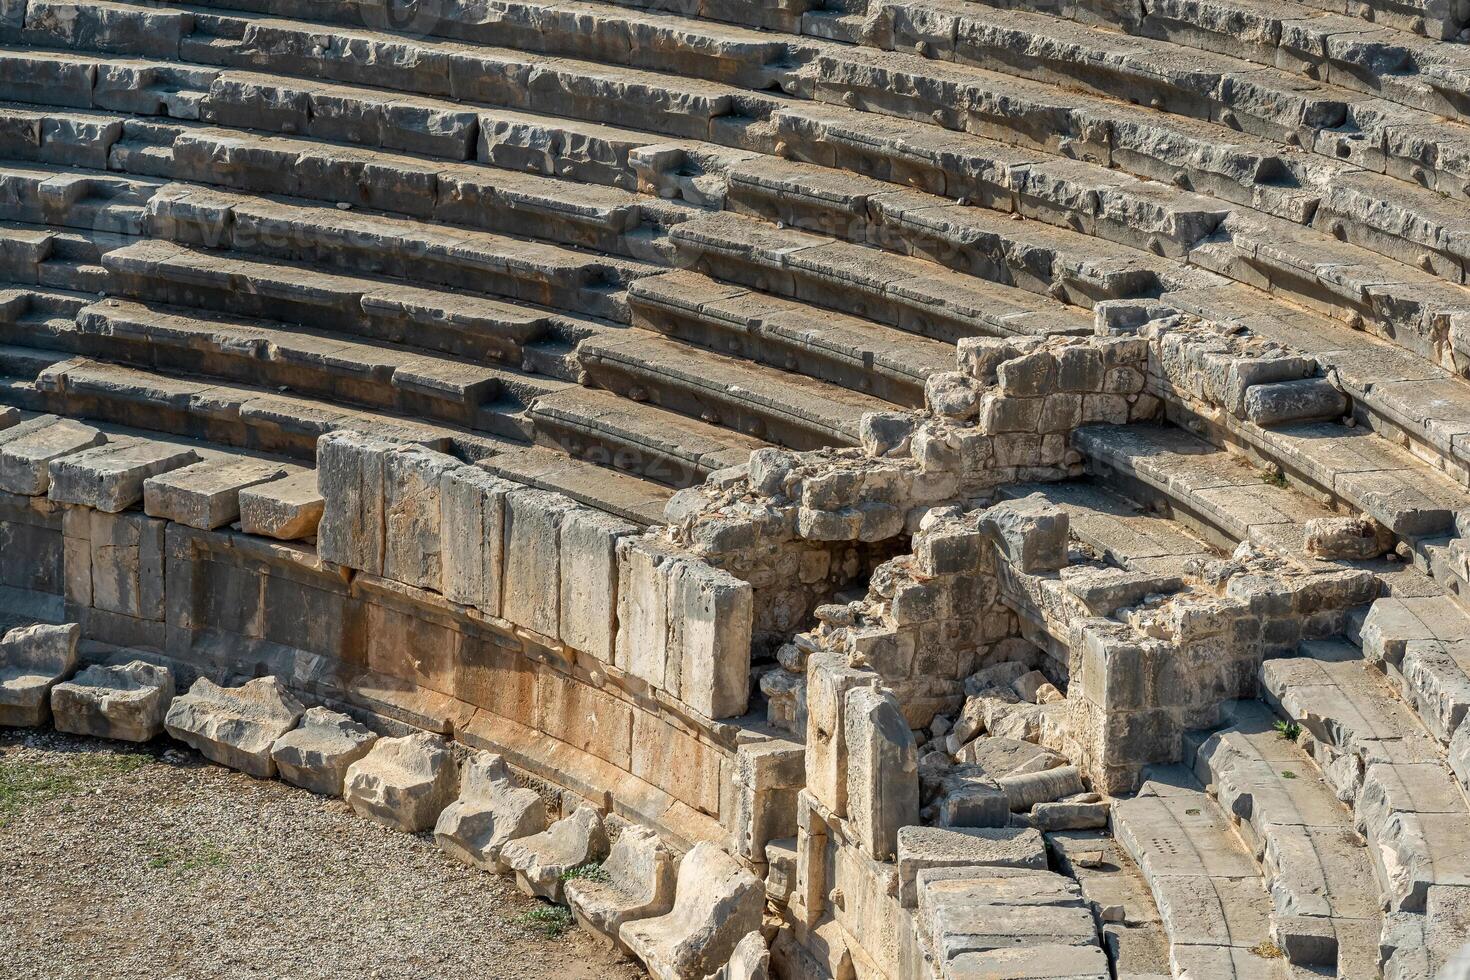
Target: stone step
(636,437)
(1389,59)
(1033,255)
(232,415)
(857,354)
(610,490)
(1378,757)
(760,401)
(376,309)
(548,275)
(1317,870)
(97,202)
(1214,492)
(1214,905)
(1422,644)
(865,282)
(312,362)
(1120,530)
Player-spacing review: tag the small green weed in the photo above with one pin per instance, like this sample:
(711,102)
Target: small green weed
(585,872)
(1287,774)
(207,856)
(1274,479)
(1288,730)
(549,920)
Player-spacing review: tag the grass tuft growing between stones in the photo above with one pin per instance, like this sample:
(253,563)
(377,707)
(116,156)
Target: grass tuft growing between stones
(549,920)
(1288,730)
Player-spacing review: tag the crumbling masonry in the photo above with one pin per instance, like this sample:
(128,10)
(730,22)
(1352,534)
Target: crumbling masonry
(908,489)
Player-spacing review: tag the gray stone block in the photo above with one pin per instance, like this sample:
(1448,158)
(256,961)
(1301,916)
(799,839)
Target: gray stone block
(317,754)
(110,478)
(33,659)
(235,726)
(127,702)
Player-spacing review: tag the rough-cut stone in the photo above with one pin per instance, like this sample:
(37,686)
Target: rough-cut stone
(206,495)
(491,811)
(750,961)
(1030,532)
(403,783)
(636,882)
(540,860)
(27,449)
(33,659)
(127,702)
(717,903)
(288,509)
(235,726)
(110,478)
(317,753)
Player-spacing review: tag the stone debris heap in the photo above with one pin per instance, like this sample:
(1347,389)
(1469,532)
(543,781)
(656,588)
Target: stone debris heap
(904,489)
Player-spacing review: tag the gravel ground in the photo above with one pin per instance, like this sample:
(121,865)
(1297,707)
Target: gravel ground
(150,863)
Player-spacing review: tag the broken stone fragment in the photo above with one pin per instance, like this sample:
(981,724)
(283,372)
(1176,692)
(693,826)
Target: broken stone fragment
(33,659)
(1032,533)
(939,847)
(717,903)
(403,783)
(636,882)
(234,726)
(999,756)
(126,702)
(750,961)
(1064,815)
(971,798)
(1028,789)
(490,813)
(317,754)
(1028,684)
(539,861)
(1346,538)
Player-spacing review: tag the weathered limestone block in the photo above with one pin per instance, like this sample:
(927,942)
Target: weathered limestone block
(1067,815)
(1346,538)
(27,449)
(1294,401)
(288,509)
(540,860)
(1031,533)
(33,659)
(412,527)
(350,475)
(126,702)
(939,847)
(971,798)
(490,813)
(531,587)
(235,726)
(115,562)
(206,495)
(110,478)
(765,778)
(317,754)
(882,770)
(589,595)
(472,507)
(829,680)
(642,642)
(711,616)
(638,884)
(403,783)
(717,903)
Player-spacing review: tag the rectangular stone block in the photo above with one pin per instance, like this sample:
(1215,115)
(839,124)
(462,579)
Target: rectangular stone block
(27,449)
(110,477)
(115,562)
(206,495)
(472,507)
(643,610)
(350,475)
(589,594)
(288,509)
(676,762)
(412,537)
(711,614)
(531,596)
(584,717)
